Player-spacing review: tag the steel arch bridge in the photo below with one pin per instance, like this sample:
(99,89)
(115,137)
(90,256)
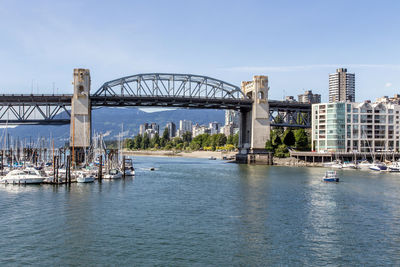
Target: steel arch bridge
(149,89)
(172,90)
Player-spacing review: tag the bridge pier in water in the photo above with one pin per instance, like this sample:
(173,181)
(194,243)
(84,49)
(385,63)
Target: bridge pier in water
(255,124)
(81,116)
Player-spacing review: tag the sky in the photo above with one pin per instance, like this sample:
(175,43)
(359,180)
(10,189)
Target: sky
(295,43)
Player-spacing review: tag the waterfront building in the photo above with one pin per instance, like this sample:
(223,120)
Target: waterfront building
(350,127)
(185,126)
(214,127)
(171,129)
(393,100)
(309,98)
(199,129)
(143,127)
(341,86)
(232,117)
(232,121)
(155,127)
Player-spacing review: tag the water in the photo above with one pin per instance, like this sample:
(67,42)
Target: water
(200,212)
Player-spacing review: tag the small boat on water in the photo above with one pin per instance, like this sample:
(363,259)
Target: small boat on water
(212,158)
(113,174)
(25,176)
(84,178)
(331,176)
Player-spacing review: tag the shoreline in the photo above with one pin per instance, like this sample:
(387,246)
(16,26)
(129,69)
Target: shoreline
(183,154)
(288,162)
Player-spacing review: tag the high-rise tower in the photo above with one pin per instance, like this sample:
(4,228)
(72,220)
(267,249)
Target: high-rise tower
(341,86)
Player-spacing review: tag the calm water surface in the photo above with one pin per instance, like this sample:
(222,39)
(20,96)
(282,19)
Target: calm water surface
(201,212)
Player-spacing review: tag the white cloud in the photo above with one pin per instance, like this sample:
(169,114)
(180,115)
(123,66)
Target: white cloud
(388,84)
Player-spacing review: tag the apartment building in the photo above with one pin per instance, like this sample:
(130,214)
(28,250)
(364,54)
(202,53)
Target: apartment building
(361,127)
(341,86)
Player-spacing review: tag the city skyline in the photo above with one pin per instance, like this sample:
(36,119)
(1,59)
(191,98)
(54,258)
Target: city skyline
(43,41)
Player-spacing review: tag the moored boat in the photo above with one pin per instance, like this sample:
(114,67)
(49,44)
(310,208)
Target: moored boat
(84,178)
(25,176)
(377,166)
(113,174)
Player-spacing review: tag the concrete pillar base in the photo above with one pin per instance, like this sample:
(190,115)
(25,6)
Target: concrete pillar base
(255,156)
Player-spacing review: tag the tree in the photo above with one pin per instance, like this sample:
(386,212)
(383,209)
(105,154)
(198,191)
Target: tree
(301,139)
(187,137)
(145,141)
(155,141)
(268,146)
(289,139)
(276,141)
(165,137)
(229,140)
(236,140)
(137,142)
(281,151)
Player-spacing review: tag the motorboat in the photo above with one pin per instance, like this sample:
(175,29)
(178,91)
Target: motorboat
(333,164)
(24,176)
(349,165)
(130,171)
(212,158)
(364,165)
(394,167)
(113,174)
(331,176)
(84,177)
(377,166)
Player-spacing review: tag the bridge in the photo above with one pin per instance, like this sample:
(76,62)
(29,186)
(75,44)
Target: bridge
(258,113)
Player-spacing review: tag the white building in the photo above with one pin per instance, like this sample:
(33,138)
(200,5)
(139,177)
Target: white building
(341,86)
(185,126)
(214,127)
(362,127)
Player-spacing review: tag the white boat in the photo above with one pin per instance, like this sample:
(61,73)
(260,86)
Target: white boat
(130,172)
(84,178)
(394,167)
(364,165)
(377,166)
(330,176)
(333,164)
(25,176)
(113,174)
(349,165)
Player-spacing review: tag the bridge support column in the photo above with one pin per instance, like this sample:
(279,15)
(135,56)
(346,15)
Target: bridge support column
(254,124)
(81,117)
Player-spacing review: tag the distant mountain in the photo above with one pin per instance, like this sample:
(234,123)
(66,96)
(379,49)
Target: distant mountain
(109,121)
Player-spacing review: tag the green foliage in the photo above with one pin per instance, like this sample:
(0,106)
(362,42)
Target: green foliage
(268,146)
(289,139)
(276,141)
(165,137)
(301,139)
(145,141)
(236,140)
(281,151)
(187,137)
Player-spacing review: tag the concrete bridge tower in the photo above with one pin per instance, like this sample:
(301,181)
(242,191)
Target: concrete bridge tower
(255,125)
(81,117)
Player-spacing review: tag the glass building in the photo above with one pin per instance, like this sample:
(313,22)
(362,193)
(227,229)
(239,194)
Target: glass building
(355,127)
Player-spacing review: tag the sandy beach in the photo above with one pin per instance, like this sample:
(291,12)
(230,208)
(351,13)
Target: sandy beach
(170,153)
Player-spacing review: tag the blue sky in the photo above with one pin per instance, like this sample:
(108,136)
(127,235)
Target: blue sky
(296,43)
